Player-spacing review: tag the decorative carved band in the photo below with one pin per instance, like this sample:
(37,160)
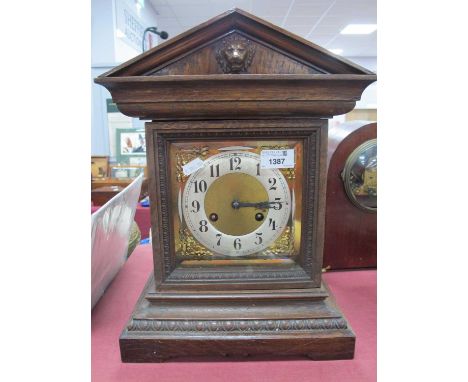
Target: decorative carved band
(164,203)
(308,239)
(308,250)
(143,325)
(279,274)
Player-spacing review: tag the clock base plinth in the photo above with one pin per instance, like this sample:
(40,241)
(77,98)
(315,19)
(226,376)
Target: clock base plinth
(176,327)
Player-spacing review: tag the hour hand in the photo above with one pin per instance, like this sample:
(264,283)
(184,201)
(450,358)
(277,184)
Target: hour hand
(260,205)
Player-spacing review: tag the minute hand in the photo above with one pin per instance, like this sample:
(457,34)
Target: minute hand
(260,205)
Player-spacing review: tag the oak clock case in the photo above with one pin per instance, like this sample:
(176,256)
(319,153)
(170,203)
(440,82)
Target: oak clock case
(237,247)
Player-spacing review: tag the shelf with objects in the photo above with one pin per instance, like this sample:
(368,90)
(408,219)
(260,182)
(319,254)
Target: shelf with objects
(109,179)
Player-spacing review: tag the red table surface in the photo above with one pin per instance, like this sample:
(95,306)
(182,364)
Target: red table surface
(355,293)
(142,218)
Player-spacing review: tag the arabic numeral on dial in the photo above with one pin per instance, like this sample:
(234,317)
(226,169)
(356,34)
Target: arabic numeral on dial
(272,223)
(214,171)
(203,226)
(278,205)
(234,163)
(219,236)
(237,244)
(200,186)
(272,181)
(196,206)
(258,238)
(258,169)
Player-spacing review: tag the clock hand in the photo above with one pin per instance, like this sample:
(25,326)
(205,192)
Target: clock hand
(260,205)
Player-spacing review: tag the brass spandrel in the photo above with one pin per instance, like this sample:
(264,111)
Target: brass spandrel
(184,156)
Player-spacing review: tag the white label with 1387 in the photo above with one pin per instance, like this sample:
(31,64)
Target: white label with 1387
(277,158)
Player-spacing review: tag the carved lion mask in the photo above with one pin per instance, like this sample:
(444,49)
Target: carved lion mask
(235,55)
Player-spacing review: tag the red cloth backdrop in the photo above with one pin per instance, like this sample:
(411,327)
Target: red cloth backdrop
(142,218)
(355,293)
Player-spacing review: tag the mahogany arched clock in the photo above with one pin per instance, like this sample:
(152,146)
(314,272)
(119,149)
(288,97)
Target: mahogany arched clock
(236,148)
(351,213)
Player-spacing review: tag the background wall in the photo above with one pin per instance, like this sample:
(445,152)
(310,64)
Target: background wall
(116,30)
(369,97)
(117,27)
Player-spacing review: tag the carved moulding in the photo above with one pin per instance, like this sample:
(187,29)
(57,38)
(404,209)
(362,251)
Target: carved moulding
(145,325)
(311,139)
(283,274)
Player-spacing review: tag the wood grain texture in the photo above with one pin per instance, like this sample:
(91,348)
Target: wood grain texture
(101,195)
(266,59)
(102,190)
(305,327)
(338,344)
(350,233)
(247,95)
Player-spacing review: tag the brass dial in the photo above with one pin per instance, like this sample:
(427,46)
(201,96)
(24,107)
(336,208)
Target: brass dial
(235,187)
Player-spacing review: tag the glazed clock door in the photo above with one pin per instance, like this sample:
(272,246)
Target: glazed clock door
(234,202)
(360,176)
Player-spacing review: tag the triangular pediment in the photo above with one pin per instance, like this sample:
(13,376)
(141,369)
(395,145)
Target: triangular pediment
(236,42)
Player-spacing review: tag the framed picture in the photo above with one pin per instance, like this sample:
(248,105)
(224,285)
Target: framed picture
(127,172)
(131,146)
(99,167)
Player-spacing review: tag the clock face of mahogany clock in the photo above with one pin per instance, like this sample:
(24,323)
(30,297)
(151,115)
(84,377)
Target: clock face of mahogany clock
(234,207)
(360,176)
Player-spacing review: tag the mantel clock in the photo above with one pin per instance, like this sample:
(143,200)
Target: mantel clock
(351,213)
(236,149)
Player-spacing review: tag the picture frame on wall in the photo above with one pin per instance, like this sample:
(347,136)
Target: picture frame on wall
(131,147)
